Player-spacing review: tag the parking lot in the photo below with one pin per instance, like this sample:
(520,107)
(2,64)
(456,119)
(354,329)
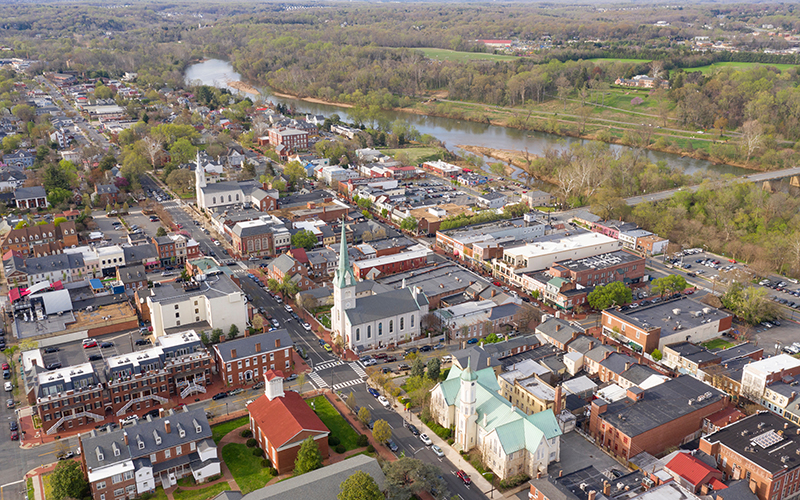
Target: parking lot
(117,235)
(74,353)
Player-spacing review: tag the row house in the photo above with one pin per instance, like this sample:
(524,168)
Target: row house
(32,197)
(132,461)
(286,265)
(176,249)
(21,159)
(60,267)
(49,238)
(247,359)
(66,398)
(106,194)
(391,264)
(601,269)
(132,277)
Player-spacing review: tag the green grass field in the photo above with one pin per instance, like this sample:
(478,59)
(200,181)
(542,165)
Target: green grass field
(717,344)
(336,423)
(452,55)
(740,65)
(203,493)
(605,59)
(245,467)
(218,431)
(413,154)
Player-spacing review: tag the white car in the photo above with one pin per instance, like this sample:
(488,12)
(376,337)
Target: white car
(288,308)
(437,451)
(8,386)
(447,358)
(128,420)
(249,401)
(306,326)
(216,242)
(425,439)
(385,402)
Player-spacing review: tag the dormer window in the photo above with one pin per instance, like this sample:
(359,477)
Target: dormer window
(99,452)
(140,442)
(156,437)
(115,447)
(197,428)
(181,431)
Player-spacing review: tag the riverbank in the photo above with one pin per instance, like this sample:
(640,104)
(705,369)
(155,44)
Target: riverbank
(510,157)
(243,87)
(310,99)
(565,129)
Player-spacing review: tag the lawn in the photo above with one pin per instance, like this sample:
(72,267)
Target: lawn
(717,344)
(30,488)
(325,320)
(203,493)
(415,155)
(336,423)
(218,431)
(605,59)
(48,488)
(158,495)
(452,55)
(245,467)
(739,65)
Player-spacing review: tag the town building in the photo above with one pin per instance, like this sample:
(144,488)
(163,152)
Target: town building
(286,266)
(221,195)
(589,483)
(601,269)
(491,200)
(281,421)
(66,268)
(21,159)
(658,325)
(374,321)
(31,197)
(692,473)
(246,359)
(391,264)
(289,137)
(45,239)
(67,398)
(758,376)
(129,462)
(642,421)
(207,302)
(760,449)
(106,194)
(133,277)
(536,198)
(510,442)
(442,168)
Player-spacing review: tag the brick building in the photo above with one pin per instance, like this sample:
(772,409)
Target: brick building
(253,238)
(297,423)
(134,277)
(246,359)
(167,253)
(32,197)
(391,264)
(601,269)
(655,419)
(106,194)
(286,265)
(153,452)
(761,450)
(71,397)
(40,240)
(289,137)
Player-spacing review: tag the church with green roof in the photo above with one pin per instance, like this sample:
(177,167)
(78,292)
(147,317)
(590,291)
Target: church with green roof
(510,441)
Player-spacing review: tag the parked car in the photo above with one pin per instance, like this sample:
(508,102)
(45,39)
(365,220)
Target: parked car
(385,402)
(128,420)
(53,366)
(472,341)
(51,349)
(236,392)
(8,386)
(413,429)
(152,414)
(403,366)
(370,362)
(219,395)
(390,444)
(95,357)
(390,359)
(291,377)
(87,343)
(258,385)
(464,477)
(374,392)
(14,436)
(437,451)
(6,367)
(287,307)
(327,347)
(12,426)
(425,439)
(106,345)
(6,374)
(143,342)
(306,326)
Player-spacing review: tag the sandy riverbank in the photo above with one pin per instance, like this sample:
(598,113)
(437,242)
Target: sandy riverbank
(508,156)
(312,99)
(239,85)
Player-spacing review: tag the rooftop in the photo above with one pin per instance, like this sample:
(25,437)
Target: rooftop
(214,286)
(599,262)
(254,344)
(763,438)
(674,317)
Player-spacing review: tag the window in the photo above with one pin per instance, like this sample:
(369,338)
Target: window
(380,329)
(412,321)
(101,485)
(192,446)
(401,324)
(119,492)
(128,475)
(167,453)
(358,334)
(369,331)
(116,479)
(178,450)
(263,358)
(272,356)
(287,364)
(239,364)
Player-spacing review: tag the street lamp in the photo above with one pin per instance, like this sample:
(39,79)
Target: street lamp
(777,347)
(491,492)
(226,408)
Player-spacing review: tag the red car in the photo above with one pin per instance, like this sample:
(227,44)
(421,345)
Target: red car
(14,436)
(89,343)
(464,477)
(6,367)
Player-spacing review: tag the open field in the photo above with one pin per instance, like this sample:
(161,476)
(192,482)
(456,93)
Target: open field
(739,65)
(413,154)
(337,424)
(605,59)
(219,430)
(246,468)
(203,493)
(452,55)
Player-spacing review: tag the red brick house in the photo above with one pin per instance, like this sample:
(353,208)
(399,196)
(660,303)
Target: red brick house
(297,422)
(31,197)
(40,240)
(289,137)
(286,265)
(248,358)
(691,472)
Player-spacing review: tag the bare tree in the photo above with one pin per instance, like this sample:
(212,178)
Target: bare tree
(153,148)
(752,136)
(584,112)
(563,86)
(260,126)
(657,67)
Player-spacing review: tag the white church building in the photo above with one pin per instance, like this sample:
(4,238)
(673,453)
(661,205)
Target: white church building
(510,441)
(223,194)
(374,321)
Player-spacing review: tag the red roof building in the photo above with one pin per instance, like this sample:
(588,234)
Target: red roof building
(717,421)
(282,421)
(691,472)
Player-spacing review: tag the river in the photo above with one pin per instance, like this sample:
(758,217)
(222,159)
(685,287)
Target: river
(215,72)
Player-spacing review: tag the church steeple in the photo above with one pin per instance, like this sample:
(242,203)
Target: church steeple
(344,274)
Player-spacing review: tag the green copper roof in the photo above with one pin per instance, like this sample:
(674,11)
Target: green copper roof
(468,375)
(344,275)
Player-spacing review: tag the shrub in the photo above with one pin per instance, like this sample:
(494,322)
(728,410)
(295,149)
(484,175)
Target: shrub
(258,452)
(251,442)
(513,481)
(370,449)
(333,440)
(340,448)
(247,433)
(363,440)
(265,463)
(637,101)
(268,463)
(213,478)
(273,471)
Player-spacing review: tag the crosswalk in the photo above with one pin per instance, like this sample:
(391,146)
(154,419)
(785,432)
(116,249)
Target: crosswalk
(358,368)
(325,366)
(349,383)
(317,380)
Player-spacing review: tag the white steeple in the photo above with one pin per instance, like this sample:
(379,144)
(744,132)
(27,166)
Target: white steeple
(199,176)
(344,292)
(273,384)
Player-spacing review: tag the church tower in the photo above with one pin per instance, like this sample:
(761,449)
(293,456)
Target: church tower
(199,181)
(344,293)
(467,417)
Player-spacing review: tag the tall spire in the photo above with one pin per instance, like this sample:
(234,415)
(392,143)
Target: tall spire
(345,271)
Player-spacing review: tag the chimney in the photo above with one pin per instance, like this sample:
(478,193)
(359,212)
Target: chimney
(404,283)
(704,489)
(786,425)
(493,293)
(558,327)
(560,473)
(591,345)
(539,475)
(606,488)
(277,342)
(233,353)
(557,402)
(167,427)
(258,346)
(627,366)
(592,495)
(161,412)
(125,437)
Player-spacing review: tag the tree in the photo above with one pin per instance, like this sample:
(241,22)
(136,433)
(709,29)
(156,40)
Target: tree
(182,151)
(67,481)
(749,303)
(563,87)
(153,149)
(258,323)
(381,431)
(434,365)
(409,224)
(752,136)
(668,284)
(408,476)
(57,196)
(417,368)
(216,334)
(308,457)
(304,239)
(656,354)
(360,486)
(59,220)
(59,176)
(180,180)
(11,142)
(364,415)
(233,332)
(294,171)
(160,232)
(605,296)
